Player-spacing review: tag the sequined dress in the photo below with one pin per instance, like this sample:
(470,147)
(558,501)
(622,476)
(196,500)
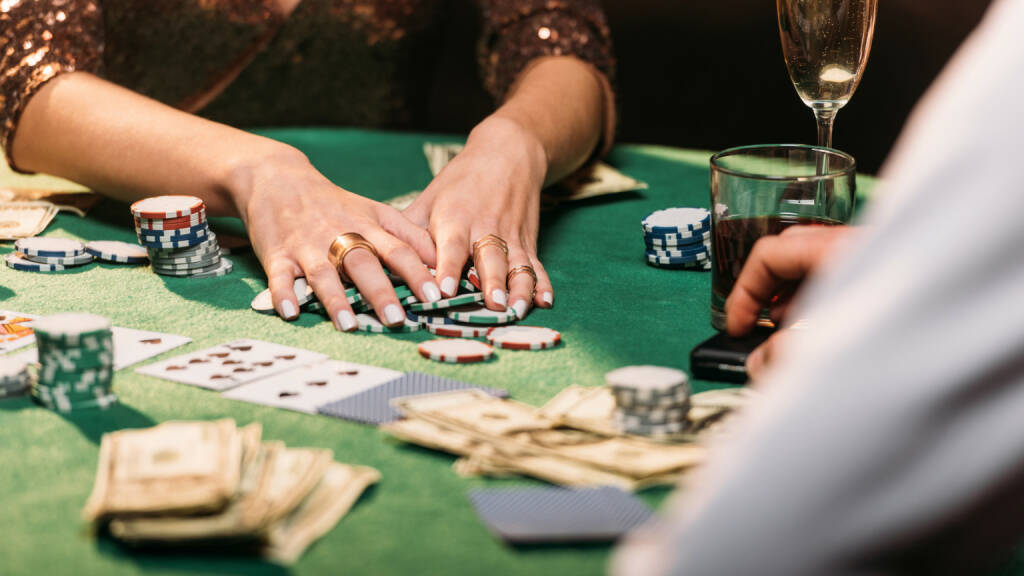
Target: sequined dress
(244,62)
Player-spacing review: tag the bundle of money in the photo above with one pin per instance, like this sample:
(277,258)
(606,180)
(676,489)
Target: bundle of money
(498,437)
(190,483)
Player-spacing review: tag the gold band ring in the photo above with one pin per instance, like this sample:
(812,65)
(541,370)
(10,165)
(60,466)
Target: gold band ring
(342,246)
(489,240)
(521,270)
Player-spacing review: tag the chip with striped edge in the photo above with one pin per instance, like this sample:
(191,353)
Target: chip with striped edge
(457,351)
(164,207)
(49,247)
(676,220)
(17,261)
(456,330)
(370,323)
(480,314)
(117,252)
(171,223)
(460,300)
(80,260)
(524,337)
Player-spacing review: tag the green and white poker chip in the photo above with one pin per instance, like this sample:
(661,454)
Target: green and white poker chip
(480,314)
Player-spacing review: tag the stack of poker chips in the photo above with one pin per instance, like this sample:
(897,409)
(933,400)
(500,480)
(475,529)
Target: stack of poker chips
(177,237)
(14,377)
(38,254)
(678,238)
(76,362)
(650,400)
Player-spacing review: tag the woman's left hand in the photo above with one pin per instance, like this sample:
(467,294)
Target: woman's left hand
(492,187)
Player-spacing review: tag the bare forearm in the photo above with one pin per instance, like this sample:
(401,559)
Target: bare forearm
(560,103)
(128,146)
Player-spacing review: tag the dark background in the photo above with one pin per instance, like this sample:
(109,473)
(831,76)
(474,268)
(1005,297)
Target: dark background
(711,75)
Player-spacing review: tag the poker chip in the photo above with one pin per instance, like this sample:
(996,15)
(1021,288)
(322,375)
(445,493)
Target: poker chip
(473,277)
(49,247)
(459,351)
(264,304)
(468,286)
(447,303)
(198,233)
(15,378)
(653,416)
(672,241)
(225,268)
(673,261)
(117,252)
(428,318)
(76,359)
(480,314)
(81,259)
(164,207)
(207,246)
(524,337)
(186,270)
(171,223)
(369,323)
(171,244)
(455,330)
(695,251)
(17,261)
(651,430)
(676,220)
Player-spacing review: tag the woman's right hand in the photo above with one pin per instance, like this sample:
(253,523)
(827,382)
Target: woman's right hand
(293,214)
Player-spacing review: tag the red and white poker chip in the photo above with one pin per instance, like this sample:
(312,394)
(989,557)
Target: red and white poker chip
(171,223)
(457,330)
(474,277)
(459,351)
(524,337)
(164,207)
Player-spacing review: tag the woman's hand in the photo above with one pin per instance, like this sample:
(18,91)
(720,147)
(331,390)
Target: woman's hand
(293,214)
(492,187)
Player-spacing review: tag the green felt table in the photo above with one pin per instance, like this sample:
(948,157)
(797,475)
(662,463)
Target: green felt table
(611,307)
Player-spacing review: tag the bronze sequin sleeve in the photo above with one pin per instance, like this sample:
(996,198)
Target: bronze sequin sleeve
(40,39)
(517,32)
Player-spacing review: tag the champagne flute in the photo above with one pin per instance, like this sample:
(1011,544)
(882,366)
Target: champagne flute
(826,44)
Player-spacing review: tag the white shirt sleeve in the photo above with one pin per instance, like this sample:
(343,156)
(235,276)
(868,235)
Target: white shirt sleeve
(891,436)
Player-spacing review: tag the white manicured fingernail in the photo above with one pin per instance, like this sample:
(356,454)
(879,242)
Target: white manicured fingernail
(393,313)
(346,320)
(547,298)
(498,295)
(448,286)
(520,308)
(431,291)
(288,310)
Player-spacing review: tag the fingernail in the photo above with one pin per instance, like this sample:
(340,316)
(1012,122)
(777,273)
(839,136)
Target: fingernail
(288,311)
(498,295)
(393,314)
(448,286)
(548,298)
(520,308)
(346,321)
(431,291)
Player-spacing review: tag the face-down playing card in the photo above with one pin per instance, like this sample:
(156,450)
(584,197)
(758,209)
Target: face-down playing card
(553,514)
(231,364)
(373,406)
(306,388)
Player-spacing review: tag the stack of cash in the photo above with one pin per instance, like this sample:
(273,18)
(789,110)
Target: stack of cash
(501,437)
(190,483)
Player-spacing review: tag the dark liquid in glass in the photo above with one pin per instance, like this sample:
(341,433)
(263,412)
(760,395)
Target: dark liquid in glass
(734,238)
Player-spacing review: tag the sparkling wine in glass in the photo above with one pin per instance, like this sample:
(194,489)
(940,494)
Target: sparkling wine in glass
(826,44)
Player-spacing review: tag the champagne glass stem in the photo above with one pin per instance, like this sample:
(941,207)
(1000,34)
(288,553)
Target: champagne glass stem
(825,117)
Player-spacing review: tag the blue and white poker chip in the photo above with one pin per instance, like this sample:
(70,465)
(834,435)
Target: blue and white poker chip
(80,260)
(201,231)
(16,261)
(49,247)
(677,261)
(700,251)
(670,241)
(117,252)
(677,221)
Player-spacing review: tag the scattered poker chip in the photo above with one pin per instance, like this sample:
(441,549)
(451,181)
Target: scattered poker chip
(49,247)
(459,351)
(480,314)
(524,337)
(456,330)
(428,318)
(460,300)
(369,323)
(264,304)
(474,277)
(80,260)
(117,252)
(225,268)
(676,220)
(164,207)
(17,261)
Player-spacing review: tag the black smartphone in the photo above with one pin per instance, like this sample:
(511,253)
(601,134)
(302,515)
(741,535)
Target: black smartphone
(723,358)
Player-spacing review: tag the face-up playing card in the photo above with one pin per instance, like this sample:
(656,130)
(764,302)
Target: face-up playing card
(550,514)
(15,330)
(232,364)
(130,346)
(373,406)
(306,388)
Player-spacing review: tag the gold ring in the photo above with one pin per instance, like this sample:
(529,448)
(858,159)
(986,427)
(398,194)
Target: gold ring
(489,240)
(342,246)
(522,270)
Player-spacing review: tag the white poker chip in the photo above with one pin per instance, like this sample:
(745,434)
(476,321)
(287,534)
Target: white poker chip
(71,327)
(676,220)
(459,351)
(207,246)
(446,303)
(164,207)
(49,247)
(171,223)
(643,384)
(370,323)
(264,304)
(524,337)
(17,261)
(225,268)
(480,314)
(672,241)
(80,260)
(117,252)
(457,330)
(12,370)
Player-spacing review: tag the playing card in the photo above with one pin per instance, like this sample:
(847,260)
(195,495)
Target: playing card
(231,364)
(535,515)
(133,346)
(15,330)
(373,406)
(306,388)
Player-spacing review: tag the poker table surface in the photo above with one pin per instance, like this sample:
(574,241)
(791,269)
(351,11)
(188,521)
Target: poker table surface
(611,307)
